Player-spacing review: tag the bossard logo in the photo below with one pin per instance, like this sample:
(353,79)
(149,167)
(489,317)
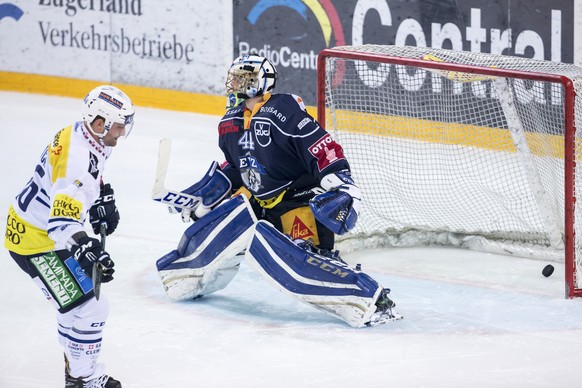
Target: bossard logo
(8,10)
(263,133)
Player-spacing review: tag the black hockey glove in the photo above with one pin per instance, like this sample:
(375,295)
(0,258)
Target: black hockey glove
(104,211)
(88,251)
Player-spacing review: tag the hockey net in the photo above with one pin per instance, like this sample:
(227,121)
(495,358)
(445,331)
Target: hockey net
(458,148)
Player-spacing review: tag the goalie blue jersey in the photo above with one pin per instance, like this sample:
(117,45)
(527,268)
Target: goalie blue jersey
(276,147)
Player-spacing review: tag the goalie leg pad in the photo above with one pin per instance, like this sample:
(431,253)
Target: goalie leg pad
(207,257)
(325,283)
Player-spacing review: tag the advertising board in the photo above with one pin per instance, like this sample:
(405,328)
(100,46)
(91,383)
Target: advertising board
(160,44)
(291,33)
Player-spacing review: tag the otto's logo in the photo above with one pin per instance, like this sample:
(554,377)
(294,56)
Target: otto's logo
(317,147)
(8,10)
(263,133)
(326,151)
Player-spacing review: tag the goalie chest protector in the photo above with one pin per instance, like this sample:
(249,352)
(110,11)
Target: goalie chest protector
(282,143)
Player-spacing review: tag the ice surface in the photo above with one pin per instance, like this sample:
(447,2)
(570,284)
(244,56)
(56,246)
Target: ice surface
(471,319)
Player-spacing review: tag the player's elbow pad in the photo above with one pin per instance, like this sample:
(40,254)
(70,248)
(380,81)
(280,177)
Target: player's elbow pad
(339,207)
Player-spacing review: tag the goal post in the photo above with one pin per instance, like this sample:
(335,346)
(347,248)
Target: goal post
(457,148)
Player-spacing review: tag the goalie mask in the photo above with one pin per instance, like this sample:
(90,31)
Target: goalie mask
(111,104)
(250,75)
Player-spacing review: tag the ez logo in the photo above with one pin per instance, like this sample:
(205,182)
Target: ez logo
(250,162)
(8,10)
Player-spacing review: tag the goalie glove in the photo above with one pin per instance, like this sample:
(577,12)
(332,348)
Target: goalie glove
(212,189)
(339,207)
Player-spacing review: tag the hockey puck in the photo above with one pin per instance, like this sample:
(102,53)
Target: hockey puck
(548,270)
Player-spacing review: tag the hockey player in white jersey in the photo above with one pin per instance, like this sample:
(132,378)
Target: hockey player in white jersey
(45,229)
(299,186)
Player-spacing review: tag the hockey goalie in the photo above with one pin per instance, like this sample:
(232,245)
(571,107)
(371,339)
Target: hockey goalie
(277,202)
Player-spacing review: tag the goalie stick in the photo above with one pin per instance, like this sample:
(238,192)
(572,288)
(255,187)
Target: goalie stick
(164,195)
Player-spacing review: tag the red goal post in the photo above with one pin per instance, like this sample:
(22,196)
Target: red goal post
(457,148)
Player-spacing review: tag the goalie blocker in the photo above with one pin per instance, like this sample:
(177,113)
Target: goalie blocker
(211,250)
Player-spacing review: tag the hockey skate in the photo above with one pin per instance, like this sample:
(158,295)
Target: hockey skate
(384,310)
(103,381)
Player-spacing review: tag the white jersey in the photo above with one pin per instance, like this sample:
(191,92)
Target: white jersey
(56,200)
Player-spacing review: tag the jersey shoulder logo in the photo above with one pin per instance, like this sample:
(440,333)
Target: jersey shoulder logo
(299,102)
(326,151)
(93,165)
(228,126)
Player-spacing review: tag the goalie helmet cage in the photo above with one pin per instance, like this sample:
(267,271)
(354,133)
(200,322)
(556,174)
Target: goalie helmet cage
(457,148)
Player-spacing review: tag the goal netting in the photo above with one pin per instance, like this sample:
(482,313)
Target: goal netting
(458,148)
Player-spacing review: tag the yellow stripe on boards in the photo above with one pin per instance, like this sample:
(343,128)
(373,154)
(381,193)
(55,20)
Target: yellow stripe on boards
(140,95)
(497,139)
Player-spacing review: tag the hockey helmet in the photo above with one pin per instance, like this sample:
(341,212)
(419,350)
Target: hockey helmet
(250,75)
(111,104)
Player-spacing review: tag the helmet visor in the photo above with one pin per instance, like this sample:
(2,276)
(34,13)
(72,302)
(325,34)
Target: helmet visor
(128,124)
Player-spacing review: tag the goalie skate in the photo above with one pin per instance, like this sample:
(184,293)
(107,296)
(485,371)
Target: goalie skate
(384,310)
